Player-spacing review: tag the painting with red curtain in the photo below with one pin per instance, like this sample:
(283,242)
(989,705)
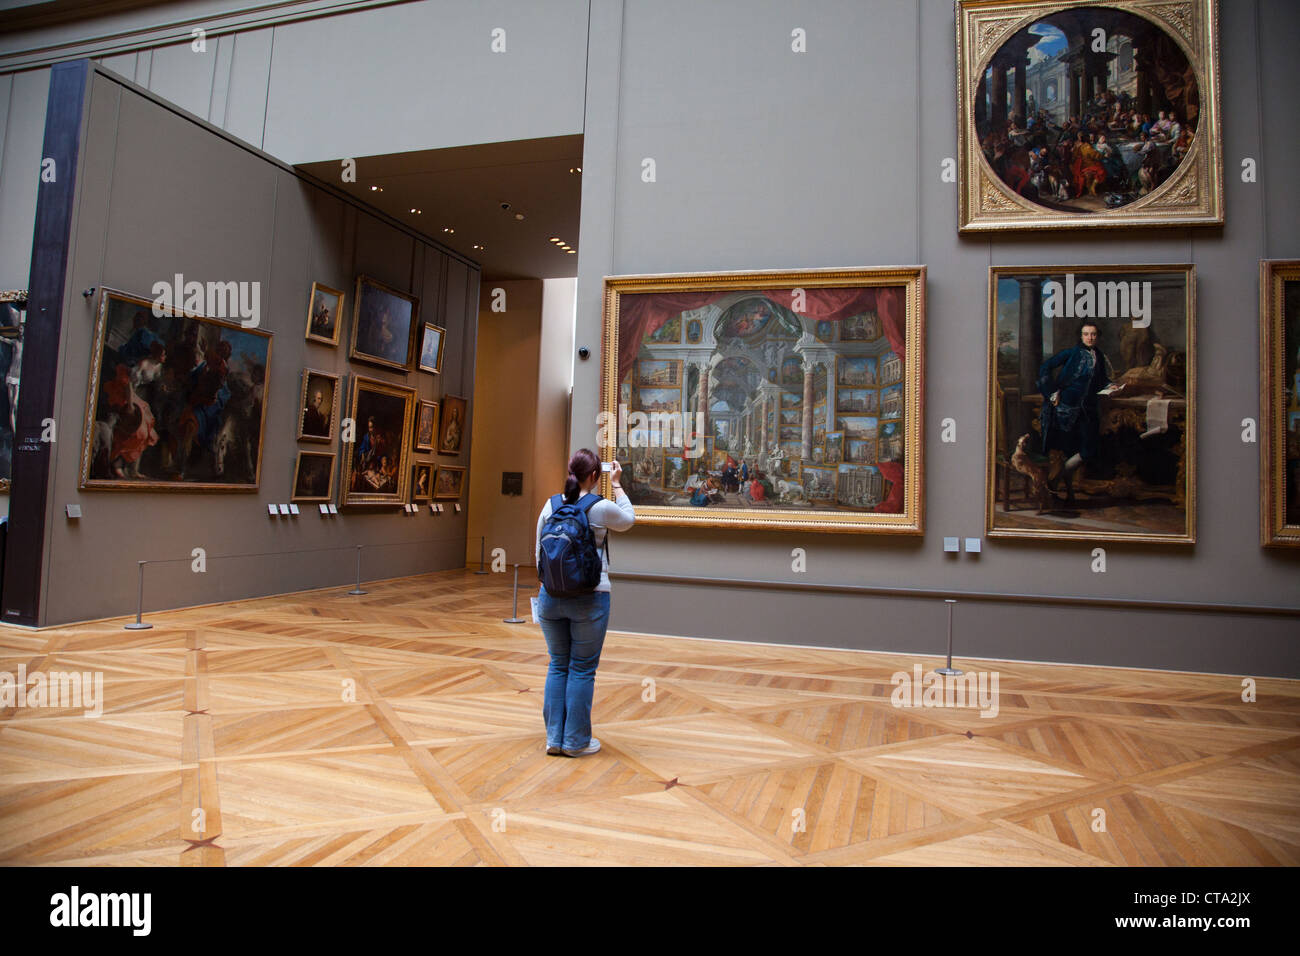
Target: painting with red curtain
(799,388)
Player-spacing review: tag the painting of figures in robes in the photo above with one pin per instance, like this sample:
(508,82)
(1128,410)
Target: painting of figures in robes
(176,401)
(1092,403)
(792,401)
(1082,115)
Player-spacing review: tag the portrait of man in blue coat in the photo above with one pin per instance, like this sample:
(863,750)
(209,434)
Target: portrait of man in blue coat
(1069,382)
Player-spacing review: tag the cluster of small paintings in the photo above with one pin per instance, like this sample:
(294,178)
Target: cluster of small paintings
(377,464)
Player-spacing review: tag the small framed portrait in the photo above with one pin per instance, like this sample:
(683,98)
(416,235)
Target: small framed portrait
(324,312)
(422,481)
(451,431)
(313,476)
(448,482)
(426,420)
(383,325)
(431,342)
(318,405)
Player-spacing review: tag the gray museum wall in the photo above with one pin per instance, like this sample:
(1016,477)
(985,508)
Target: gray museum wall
(770,159)
(159,194)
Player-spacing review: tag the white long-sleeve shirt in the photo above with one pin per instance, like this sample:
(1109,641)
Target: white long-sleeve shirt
(616,515)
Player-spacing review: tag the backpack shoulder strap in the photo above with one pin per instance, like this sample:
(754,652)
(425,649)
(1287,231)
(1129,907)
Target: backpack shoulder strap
(556,501)
(588,501)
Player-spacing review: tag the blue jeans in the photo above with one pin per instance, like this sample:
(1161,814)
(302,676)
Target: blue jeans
(575,633)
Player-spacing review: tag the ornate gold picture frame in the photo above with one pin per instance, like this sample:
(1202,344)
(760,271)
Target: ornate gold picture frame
(176,401)
(376,464)
(702,444)
(313,477)
(1095,113)
(324,314)
(1279,362)
(1092,403)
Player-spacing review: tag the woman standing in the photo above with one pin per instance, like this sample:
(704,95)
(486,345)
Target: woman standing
(575,626)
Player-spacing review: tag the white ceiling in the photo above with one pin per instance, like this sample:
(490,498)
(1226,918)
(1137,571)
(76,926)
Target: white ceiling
(464,188)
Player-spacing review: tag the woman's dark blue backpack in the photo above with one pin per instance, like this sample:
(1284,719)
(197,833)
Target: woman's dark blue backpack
(569,564)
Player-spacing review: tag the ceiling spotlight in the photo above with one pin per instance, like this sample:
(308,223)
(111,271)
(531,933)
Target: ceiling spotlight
(553,239)
(571,252)
(575,169)
(479,246)
(376,189)
(519,217)
(417,211)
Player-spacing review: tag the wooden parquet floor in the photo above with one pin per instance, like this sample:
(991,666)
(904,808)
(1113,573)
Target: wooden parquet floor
(404,727)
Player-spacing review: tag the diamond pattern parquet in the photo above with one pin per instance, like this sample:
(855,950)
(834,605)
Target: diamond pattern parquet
(404,728)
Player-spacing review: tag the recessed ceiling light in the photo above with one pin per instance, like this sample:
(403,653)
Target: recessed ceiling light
(376,189)
(418,212)
(554,239)
(448,230)
(575,169)
(571,252)
(479,246)
(519,217)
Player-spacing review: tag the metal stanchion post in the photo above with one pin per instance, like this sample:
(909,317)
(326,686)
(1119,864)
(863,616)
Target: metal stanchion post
(949,671)
(139,625)
(358,589)
(482,547)
(514,614)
